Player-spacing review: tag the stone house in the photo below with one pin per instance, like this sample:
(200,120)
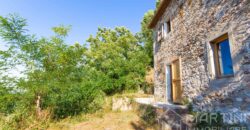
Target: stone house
(202,54)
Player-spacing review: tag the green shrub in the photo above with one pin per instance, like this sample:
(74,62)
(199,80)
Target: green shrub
(76,99)
(7,102)
(147,114)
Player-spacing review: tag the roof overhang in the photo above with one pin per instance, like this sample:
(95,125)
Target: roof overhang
(159,12)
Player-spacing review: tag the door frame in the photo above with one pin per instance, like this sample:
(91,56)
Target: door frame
(168,92)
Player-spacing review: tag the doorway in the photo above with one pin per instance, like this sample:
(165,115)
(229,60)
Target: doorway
(168,84)
(173,83)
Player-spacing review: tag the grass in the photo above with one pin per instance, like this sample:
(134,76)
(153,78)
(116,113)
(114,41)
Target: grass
(106,119)
(1,122)
(102,121)
(132,95)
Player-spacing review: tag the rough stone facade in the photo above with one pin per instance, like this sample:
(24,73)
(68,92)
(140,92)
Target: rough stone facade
(195,23)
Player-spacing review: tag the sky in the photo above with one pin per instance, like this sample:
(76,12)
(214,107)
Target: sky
(85,16)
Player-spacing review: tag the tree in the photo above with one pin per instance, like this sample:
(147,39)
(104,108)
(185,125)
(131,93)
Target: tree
(157,3)
(56,75)
(67,80)
(146,35)
(118,58)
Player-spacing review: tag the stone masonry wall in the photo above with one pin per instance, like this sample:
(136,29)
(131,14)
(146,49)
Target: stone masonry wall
(195,23)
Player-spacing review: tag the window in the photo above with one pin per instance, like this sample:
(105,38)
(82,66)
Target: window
(163,30)
(160,33)
(222,56)
(168,26)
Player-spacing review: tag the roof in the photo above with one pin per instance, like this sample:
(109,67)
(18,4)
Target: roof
(159,12)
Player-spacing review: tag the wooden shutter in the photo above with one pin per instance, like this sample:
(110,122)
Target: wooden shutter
(176,82)
(211,64)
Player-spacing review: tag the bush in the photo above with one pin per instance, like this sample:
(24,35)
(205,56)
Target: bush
(24,118)
(77,99)
(148,114)
(7,102)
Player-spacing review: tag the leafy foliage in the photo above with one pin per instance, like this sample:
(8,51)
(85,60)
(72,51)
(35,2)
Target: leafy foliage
(118,58)
(66,80)
(157,3)
(148,114)
(7,100)
(146,35)
(56,72)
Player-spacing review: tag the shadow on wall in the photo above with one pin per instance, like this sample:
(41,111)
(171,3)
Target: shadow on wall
(226,93)
(229,94)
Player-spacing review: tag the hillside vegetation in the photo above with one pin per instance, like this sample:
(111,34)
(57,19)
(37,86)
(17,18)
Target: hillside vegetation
(57,80)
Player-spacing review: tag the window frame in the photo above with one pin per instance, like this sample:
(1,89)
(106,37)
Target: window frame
(215,45)
(160,33)
(163,30)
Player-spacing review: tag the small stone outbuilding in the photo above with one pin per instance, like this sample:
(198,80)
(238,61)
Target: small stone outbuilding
(202,54)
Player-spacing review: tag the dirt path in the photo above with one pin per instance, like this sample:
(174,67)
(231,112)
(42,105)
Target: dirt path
(109,121)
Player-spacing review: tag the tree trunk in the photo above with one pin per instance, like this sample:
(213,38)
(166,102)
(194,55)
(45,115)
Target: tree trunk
(38,106)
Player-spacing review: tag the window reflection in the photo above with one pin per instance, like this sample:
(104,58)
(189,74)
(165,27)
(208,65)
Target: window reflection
(225,59)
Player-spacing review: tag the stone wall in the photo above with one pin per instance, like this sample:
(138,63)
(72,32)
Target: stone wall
(121,104)
(195,23)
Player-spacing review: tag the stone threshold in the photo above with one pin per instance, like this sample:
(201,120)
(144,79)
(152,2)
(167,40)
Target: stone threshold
(160,105)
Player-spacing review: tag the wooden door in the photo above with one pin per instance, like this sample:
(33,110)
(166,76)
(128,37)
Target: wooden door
(176,82)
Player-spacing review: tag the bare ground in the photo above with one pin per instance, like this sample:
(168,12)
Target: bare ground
(108,121)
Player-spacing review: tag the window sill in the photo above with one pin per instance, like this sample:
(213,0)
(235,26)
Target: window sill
(166,37)
(221,81)
(225,76)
